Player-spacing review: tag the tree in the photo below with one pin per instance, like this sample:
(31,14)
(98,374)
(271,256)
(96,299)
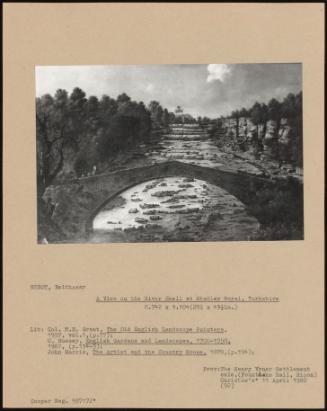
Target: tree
(138,112)
(92,109)
(77,113)
(123,98)
(107,108)
(92,106)
(81,165)
(289,106)
(77,104)
(188,119)
(255,114)
(236,115)
(274,110)
(119,135)
(156,111)
(56,130)
(165,118)
(172,117)
(292,110)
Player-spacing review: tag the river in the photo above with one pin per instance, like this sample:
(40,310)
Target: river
(176,208)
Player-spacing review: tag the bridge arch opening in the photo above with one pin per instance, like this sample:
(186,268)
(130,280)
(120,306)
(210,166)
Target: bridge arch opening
(239,185)
(171,208)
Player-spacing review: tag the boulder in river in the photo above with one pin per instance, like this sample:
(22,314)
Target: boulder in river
(149,212)
(165,193)
(129,229)
(186,197)
(146,205)
(141,220)
(170,200)
(153,226)
(185,185)
(150,186)
(177,206)
(155,217)
(190,210)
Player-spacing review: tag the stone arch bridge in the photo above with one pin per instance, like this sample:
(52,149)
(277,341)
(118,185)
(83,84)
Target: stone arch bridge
(75,204)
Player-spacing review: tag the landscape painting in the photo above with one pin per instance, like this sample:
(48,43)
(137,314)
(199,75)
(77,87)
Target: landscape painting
(169,153)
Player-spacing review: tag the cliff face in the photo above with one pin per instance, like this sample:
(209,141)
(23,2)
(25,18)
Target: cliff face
(274,140)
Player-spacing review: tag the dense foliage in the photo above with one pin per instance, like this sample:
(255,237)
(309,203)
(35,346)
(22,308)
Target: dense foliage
(290,107)
(75,133)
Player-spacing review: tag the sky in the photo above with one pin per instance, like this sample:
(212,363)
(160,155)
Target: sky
(200,89)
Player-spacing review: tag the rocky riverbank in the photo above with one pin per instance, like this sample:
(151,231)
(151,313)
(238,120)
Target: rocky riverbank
(269,146)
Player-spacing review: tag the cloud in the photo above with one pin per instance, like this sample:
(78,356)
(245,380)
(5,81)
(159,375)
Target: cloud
(217,72)
(150,88)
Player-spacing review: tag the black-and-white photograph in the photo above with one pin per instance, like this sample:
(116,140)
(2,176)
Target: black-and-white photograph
(169,153)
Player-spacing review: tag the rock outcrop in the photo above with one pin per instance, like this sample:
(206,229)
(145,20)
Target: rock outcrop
(273,140)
